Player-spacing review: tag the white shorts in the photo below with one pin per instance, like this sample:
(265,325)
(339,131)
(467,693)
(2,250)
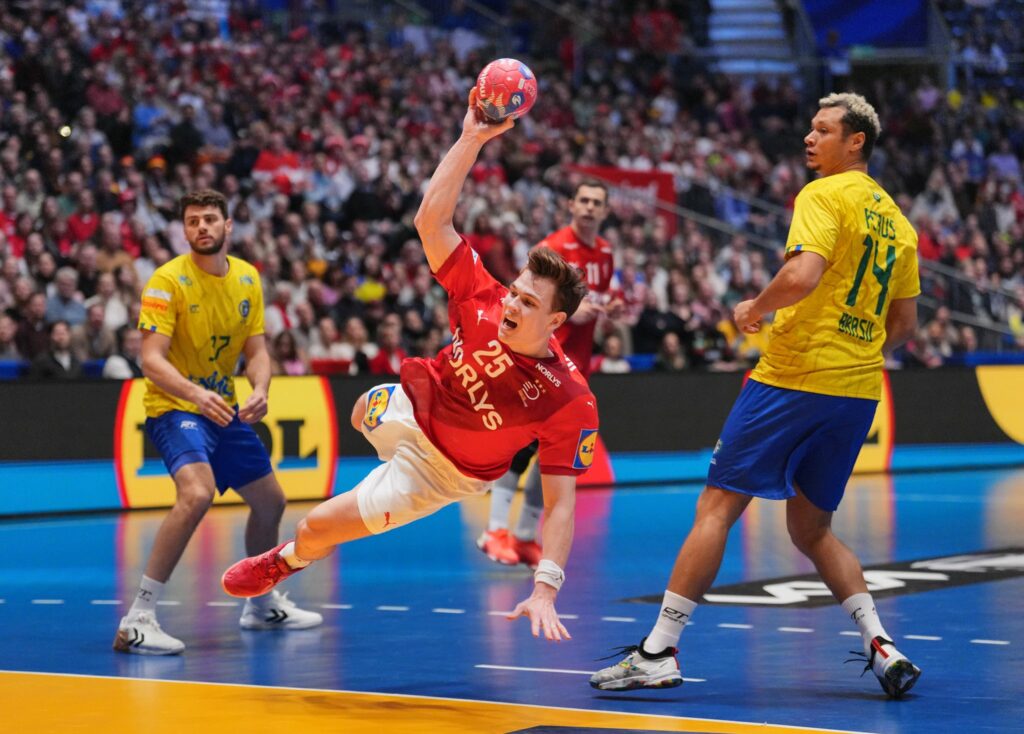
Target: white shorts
(415,479)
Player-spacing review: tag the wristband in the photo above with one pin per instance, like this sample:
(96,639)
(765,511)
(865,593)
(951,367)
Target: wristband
(549,573)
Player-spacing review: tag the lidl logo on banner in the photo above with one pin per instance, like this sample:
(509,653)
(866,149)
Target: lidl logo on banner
(299,431)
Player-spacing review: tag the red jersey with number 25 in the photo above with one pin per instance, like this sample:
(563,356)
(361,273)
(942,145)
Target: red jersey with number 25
(479,402)
(597,265)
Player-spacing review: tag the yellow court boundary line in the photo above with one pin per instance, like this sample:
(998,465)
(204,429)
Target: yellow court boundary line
(119,703)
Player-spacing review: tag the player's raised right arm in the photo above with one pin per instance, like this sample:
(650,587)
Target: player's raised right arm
(434,218)
(164,375)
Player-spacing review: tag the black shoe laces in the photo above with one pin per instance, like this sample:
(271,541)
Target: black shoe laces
(860,657)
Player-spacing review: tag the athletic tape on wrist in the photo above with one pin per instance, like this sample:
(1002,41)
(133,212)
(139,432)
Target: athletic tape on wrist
(550,573)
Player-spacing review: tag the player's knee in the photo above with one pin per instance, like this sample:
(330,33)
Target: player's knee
(806,537)
(194,501)
(314,524)
(358,411)
(270,508)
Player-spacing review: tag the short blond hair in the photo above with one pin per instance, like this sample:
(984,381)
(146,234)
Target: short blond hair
(859,117)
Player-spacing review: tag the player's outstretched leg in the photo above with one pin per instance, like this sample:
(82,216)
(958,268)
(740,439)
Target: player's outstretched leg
(496,542)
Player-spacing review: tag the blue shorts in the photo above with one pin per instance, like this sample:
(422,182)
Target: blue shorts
(776,440)
(234,452)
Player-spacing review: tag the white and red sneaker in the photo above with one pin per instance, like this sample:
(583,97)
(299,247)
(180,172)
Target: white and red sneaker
(256,575)
(528,551)
(498,546)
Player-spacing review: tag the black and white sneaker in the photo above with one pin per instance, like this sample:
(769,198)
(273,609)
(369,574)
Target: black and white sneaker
(895,673)
(139,634)
(277,612)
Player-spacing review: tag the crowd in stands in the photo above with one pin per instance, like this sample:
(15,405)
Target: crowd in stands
(322,138)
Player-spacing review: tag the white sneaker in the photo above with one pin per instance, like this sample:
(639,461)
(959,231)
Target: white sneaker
(277,612)
(640,669)
(139,633)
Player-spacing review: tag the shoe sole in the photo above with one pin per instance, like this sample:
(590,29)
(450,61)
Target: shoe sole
(900,678)
(631,684)
(122,645)
(263,626)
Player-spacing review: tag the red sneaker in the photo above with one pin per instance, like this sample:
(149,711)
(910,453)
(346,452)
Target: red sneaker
(257,575)
(529,551)
(497,545)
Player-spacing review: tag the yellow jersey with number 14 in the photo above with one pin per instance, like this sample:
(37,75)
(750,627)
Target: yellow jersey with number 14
(831,341)
(208,318)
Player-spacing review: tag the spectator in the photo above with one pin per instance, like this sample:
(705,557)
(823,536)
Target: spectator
(287,359)
(670,357)
(610,360)
(57,362)
(127,363)
(93,339)
(390,354)
(66,303)
(8,342)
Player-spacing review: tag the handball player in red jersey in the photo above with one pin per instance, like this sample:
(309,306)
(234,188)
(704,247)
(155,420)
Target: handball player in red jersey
(452,425)
(580,245)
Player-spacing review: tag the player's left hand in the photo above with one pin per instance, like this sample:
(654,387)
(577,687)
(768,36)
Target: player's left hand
(746,317)
(540,608)
(255,408)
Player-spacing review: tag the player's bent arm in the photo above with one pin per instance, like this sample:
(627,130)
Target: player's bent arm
(796,280)
(434,219)
(257,362)
(900,323)
(159,370)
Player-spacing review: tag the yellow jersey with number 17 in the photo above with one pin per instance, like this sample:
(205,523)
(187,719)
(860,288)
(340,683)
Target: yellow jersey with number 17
(831,341)
(208,318)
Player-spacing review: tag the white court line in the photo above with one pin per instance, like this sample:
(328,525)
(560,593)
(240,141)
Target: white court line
(386,608)
(222,603)
(335,606)
(442,610)
(106,602)
(559,670)
(169,603)
(921,637)
(849,633)
(731,626)
(991,642)
(47,601)
(568,616)
(499,614)
(795,629)
(618,619)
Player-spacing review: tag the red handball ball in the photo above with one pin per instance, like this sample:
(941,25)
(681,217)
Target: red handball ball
(506,88)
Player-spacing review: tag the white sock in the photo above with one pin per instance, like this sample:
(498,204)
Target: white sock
(529,521)
(147,596)
(675,613)
(501,501)
(288,554)
(861,609)
(533,505)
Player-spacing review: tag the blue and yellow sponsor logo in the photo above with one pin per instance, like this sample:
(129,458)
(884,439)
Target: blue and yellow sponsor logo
(585,449)
(247,280)
(377,405)
(243,309)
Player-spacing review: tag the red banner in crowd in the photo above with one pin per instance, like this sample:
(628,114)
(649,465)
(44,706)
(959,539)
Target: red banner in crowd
(638,190)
